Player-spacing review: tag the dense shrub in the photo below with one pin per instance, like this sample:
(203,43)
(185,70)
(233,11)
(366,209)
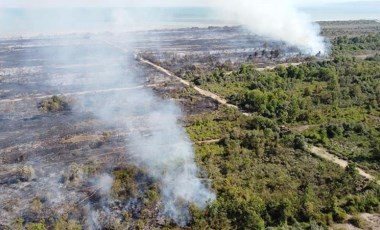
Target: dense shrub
(53,104)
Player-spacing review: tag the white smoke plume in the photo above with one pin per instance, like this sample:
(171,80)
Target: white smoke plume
(165,150)
(104,182)
(279,20)
(158,144)
(276,19)
(103,185)
(168,155)
(157,141)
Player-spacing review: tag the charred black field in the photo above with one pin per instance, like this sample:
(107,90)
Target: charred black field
(54,154)
(76,111)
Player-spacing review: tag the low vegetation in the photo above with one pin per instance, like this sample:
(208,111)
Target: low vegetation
(338,99)
(262,174)
(345,45)
(264,178)
(358,221)
(257,165)
(53,104)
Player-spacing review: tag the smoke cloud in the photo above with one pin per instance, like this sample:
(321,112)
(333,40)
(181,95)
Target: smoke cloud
(157,141)
(279,20)
(168,155)
(103,183)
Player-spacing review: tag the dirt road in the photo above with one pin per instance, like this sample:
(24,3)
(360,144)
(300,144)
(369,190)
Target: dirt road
(324,154)
(187,83)
(208,142)
(320,152)
(272,67)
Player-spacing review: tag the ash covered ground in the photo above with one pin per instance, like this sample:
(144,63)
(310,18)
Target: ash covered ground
(180,50)
(60,162)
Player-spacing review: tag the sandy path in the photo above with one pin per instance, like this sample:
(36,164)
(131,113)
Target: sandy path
(320,152)
(301,128)
(272,67)
(208,142)
(323,153)
(187,83)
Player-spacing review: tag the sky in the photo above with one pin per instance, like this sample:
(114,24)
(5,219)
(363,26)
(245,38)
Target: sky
(153,3)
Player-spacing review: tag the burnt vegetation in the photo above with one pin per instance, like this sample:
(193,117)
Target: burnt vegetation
(259,165)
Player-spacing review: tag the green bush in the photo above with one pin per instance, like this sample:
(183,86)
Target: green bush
(259,122)
(53,104)
(35,226)
(65,224)
(299,142)
(358,221)
(339,215)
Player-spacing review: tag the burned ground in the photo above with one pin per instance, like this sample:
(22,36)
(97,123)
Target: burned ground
(51,160)
(207,48)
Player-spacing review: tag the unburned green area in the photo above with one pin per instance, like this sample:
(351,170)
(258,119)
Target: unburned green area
(337,101)
(263,177)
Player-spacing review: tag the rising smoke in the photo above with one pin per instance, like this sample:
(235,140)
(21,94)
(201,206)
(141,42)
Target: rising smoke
(157,143)
(276,19)
(168,155)
(156,140)
(279,20)
(163,148)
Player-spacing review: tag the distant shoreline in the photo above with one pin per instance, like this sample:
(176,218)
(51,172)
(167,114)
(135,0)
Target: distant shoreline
(147,29)
(35,21)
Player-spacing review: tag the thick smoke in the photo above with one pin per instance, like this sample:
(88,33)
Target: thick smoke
(156,140)
(157,143)
(163,148)
(279,20)
(103,185)
(276,19)
(168,155)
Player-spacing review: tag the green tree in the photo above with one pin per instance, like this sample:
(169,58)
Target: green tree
(256,101)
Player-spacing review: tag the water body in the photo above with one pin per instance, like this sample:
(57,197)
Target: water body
(51,21)
(345,11)
(32,21)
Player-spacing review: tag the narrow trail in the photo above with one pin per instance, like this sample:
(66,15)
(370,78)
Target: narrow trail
(207,142)
(323,153)
(320,152)
(187,83)
(272,67)
(301,128)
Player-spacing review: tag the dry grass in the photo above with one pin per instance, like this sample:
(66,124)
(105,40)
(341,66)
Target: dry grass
(82,138)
